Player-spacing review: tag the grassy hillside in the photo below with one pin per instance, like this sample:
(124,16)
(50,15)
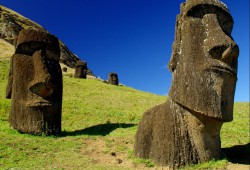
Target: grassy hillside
(99,124)
(6,49)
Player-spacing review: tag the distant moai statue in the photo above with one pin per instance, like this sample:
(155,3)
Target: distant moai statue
(35,84)
(81,69)
(113,79)
(186,129)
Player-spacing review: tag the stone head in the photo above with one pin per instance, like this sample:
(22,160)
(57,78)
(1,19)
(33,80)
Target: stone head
(35,83)
(113,78)
(204,59)
(81,69)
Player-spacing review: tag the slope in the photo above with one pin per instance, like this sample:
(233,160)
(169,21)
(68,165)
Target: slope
(12,22)
(99,124)
(6,50)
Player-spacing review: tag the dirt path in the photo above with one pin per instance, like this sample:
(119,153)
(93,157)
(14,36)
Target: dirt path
(102,153)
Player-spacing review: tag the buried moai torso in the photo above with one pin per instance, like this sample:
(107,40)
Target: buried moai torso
(81,69)
(35,84)
(186,129)
(113,79)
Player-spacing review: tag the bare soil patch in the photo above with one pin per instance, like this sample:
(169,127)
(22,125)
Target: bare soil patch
(104,152)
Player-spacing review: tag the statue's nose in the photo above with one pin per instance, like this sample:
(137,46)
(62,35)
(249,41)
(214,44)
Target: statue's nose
(231,53)
(41,84)
(219,44)
(227,53)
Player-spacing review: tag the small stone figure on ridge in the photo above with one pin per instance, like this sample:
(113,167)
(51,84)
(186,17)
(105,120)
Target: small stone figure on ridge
(113,79)
(81,70)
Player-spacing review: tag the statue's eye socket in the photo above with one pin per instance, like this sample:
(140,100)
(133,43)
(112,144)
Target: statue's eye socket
(41,89)
(225,19)
(29,48)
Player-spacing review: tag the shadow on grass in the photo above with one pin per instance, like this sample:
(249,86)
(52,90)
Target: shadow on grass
(98,130)
(238,154)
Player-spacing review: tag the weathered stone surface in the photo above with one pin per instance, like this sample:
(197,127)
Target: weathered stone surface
(113,79)
(81,70)
(35,84)
(67,57)
(186,129)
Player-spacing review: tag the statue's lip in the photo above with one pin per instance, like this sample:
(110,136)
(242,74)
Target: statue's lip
(223,69)
(39,104)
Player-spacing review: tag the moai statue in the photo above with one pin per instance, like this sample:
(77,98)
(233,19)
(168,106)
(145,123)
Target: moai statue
(186,129)
(81,69)
(113,79)
(35,84)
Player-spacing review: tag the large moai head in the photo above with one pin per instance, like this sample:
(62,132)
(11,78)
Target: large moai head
(113,79)
(35,84)
(204,59)
(81,69)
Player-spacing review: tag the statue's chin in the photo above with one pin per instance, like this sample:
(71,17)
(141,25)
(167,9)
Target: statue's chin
(223,84)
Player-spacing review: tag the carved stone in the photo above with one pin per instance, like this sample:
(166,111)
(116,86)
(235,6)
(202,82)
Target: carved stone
(113,79)
(81,69)
(186,129)
(35,84)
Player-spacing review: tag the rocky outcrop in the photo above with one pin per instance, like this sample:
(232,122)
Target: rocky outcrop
(11,23)
(67,57)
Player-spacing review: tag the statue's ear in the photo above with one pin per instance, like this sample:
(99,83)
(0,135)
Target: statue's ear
(176,46)
(10,81)
(172,64)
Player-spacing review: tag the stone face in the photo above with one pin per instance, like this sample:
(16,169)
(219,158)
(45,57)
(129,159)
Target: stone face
(204,63)
(35,84)
(113,79)
(81,70)
(186,129)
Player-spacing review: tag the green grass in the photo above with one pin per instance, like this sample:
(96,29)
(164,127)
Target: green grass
(237,131)
(99,124)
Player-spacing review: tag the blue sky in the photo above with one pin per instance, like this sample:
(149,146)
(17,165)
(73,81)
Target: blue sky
(131,37)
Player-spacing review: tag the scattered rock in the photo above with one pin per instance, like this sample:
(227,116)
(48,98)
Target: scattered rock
(64,69)
(105,81)
(113,154)
(119,161)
